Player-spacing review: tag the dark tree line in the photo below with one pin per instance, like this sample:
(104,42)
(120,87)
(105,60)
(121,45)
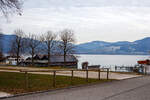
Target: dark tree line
(33,44)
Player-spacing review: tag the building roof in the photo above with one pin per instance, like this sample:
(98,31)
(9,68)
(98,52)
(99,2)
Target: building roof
(12,57)
(146,62)
(55,58)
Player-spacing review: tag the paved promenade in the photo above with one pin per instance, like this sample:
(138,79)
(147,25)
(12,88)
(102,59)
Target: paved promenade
(130,89)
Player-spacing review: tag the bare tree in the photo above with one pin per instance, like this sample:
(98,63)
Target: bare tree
(33,41)
(9,6)
(50,40)
(17,46)
(67,40)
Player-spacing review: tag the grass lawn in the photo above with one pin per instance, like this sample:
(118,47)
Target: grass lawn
(14,83)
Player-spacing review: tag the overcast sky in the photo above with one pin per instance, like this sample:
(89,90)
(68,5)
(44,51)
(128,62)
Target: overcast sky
(106,20)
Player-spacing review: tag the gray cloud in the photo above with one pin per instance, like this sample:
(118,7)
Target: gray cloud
(110,20)
(88,3)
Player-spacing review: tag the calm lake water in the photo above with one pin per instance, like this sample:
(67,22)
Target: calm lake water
(111,60)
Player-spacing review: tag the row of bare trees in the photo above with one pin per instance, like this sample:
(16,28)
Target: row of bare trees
(46,43)
(31,42)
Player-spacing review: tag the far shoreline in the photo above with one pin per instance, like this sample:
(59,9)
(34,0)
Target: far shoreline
(111,54)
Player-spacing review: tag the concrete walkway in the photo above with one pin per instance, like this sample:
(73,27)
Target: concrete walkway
(130,89)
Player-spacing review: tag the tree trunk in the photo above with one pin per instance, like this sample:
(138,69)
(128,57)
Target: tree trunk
(18,51)
(49,58)
(17,58)
(49,53)
(65,54)
(32,57)
(64,59)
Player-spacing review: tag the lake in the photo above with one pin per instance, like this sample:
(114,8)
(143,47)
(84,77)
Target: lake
(111,60)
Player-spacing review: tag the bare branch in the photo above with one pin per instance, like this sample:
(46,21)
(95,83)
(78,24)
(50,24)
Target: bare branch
(10,6)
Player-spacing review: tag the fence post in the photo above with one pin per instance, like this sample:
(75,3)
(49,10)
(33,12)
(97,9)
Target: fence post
(87,75)
(54,78)
(99,74)
(26,80)
(107,73)
(71,77)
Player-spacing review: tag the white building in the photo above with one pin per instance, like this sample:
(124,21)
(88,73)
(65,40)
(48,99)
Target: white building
(145,66)
(12,60)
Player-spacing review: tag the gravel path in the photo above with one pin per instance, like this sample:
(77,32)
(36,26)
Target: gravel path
(82,74)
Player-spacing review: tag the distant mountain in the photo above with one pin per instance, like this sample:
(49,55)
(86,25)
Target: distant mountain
(100,47)
(122,47)
(7,42)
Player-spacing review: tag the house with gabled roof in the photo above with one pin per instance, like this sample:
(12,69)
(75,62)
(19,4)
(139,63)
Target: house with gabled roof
(55,60)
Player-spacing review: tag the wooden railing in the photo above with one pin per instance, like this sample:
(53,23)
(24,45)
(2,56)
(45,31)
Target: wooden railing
(72,74)
(55,72)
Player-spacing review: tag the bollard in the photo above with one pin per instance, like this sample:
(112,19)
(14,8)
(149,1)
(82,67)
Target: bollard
(87,75)
(54,78)
(99,74)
